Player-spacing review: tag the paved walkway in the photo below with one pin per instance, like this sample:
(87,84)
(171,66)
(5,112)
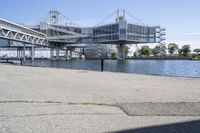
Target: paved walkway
(58,100)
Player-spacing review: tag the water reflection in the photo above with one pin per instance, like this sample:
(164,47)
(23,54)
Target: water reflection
(184,68)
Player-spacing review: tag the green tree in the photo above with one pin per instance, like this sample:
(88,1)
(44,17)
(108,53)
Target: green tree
(197,51)
(156,50)
(144,51)
(186,50)
(180,52)
(113,55)
(159,50)
(162,51)
(172,47)
(136,54)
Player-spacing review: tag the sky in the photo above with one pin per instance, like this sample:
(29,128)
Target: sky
(180,17)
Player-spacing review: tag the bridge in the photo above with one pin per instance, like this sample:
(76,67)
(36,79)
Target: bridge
(16,32)
(61,36)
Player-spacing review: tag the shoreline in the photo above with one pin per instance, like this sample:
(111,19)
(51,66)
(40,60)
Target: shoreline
(134,73)
(18,64)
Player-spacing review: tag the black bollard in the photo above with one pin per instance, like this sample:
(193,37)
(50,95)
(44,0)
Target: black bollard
(102,64)
(21,62)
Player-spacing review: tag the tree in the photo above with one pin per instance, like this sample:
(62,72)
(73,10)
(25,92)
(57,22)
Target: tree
(144,51)
(126,50)
(156,50)
(113,55)
(186,50)
(197,51)
(162,51)
(159,50)
(172,47)
(136,54)
(180,52)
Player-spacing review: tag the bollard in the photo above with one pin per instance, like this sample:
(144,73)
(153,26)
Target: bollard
(102,64)
(21,62)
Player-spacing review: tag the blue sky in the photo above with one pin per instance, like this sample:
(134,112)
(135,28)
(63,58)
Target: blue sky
(180,17)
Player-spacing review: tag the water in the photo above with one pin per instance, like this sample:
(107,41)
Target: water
(184,68)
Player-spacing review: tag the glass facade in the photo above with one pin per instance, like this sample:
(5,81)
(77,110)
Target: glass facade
(139,33)
(111,33)
(106,33)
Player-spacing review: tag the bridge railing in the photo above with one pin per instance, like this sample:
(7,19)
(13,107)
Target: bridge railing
(16,32)
(21,28)
(15,35)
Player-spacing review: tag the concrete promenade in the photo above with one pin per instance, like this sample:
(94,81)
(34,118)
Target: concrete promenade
(63,101)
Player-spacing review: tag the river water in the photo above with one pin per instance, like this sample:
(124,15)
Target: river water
(183,68)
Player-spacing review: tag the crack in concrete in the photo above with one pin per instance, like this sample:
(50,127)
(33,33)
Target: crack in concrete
(69,103)
(58,114)
(58,102)
(25,101)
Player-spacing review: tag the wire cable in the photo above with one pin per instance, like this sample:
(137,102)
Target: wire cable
(135,18)
(69,20)
(43,18)
(106,18)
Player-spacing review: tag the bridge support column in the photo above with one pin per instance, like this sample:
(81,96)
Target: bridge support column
(83,51)
(66,54)
(80,54)
(51,53)
(18,53)
(121,52)
(57,53)
(24,52)
(21,52)
(32,52)
(70,54)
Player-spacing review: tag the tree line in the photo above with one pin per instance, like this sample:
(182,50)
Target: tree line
(172,48)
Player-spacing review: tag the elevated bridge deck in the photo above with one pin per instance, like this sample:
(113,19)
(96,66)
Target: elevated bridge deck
(16,32)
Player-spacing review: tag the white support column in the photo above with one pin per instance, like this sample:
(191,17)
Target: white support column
(51,53)
(70,54)
(18,56)
(24,52)
(20,52)
(80,54)
(66,54)
(32,52)
(57,53)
